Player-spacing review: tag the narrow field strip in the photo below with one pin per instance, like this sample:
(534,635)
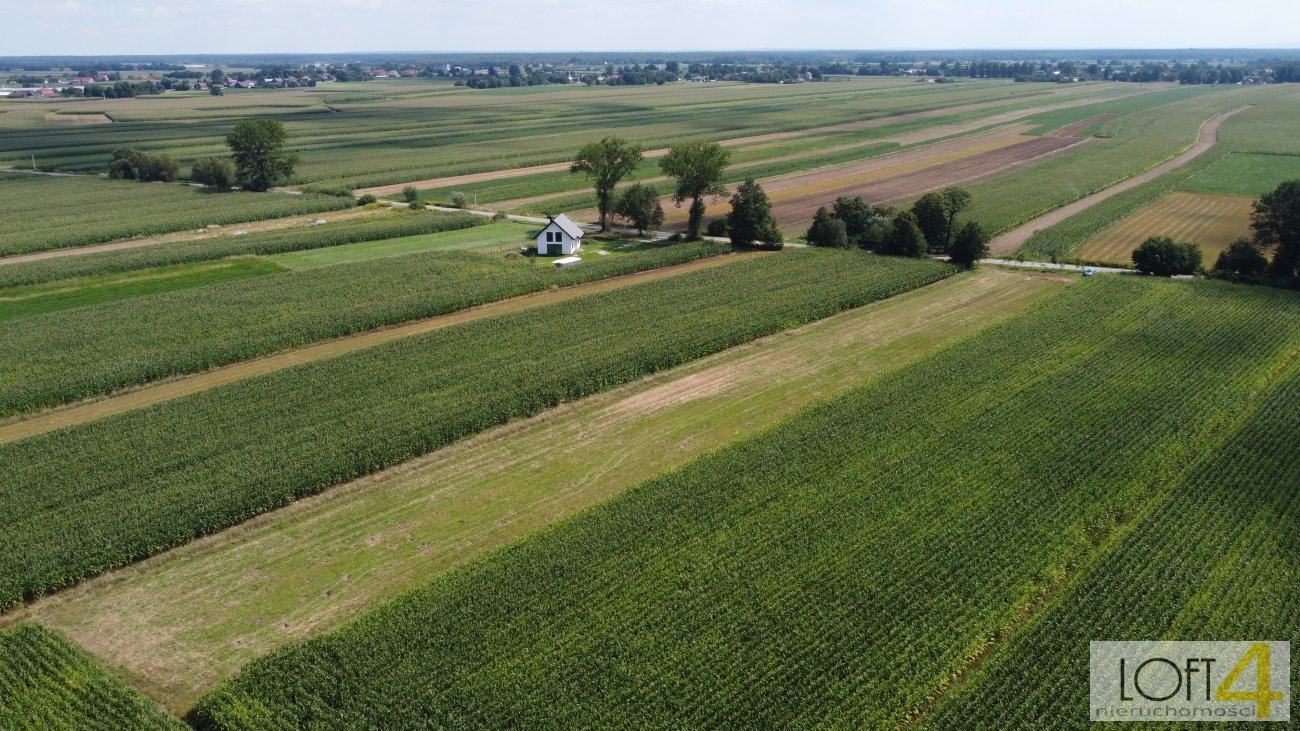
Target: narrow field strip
(311,566)
(269,224)
(1009,242)
(143,396)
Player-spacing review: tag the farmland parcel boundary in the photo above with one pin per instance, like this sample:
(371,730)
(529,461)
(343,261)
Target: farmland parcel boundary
(176,387)
(1208,135)
(56,358)
(721,595)
(152,479)
(398,528)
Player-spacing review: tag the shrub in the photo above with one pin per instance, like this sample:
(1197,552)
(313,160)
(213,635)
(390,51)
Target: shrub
(367,199)
(130,164)
(213,172)
(411,195)
(1162,256)
(458,199)
(717,227)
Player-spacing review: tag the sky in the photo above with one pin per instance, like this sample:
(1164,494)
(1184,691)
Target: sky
(101,27)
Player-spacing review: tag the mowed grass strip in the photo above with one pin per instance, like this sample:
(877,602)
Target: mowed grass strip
(47,360)
(307,568)
(1218,558)
(1210,221)
(46,683)
(89,498)
(833,571)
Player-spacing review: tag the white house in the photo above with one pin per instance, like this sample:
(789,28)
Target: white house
(561,237)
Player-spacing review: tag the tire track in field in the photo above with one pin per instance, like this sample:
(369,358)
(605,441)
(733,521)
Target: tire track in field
(1208,136)
(173,388)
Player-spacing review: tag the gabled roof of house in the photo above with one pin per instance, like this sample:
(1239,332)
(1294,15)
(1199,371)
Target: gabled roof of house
(567,226)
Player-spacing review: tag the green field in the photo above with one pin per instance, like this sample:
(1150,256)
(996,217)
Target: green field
(380,225)
(39,299)
(368,139)
(43,212)
(55,358)
(1214,558)
(1243,173)
(1215,171)
(290,575)
(45,683)
(481,237)
(119,489)
(836,570)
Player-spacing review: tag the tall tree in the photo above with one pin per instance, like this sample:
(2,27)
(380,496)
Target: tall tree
(606,162)
(697,167)
(751,220)
(1275,220)
(260,158)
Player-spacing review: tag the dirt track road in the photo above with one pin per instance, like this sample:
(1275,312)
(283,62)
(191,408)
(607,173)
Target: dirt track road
(1012,240)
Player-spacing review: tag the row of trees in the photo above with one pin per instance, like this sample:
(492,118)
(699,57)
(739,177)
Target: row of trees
(696,167)
(259,160)
(929,227)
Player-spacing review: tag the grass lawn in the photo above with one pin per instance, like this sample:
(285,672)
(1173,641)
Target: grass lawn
(312,566)
(495,234)
(16,302)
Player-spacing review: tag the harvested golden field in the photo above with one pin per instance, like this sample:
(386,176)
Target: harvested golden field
(1212,221)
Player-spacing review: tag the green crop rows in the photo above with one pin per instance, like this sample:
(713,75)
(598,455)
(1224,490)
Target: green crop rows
(396,224)
(88,498)
(46,683)
(63,356)
(833,572)
(42,212)
(1135,141)
(361,140)
(1216,560)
